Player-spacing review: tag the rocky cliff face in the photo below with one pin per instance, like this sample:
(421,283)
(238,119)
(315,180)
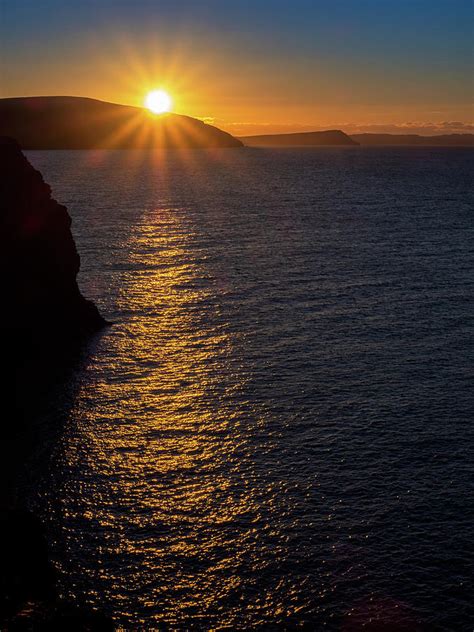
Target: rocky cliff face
(39,262)
(29,594)
(43,320)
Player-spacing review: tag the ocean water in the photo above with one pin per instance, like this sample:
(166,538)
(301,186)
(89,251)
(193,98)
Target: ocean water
(277,430)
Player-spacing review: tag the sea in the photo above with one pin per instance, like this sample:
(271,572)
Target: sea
(276,430)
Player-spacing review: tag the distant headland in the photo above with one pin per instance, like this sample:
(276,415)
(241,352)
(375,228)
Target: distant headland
(83,123)
(337,137)
(300,139)
(56,122)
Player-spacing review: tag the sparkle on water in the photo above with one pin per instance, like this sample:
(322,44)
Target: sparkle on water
(276,430)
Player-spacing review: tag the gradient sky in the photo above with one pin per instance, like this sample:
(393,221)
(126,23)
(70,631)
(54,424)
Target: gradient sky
(253,67)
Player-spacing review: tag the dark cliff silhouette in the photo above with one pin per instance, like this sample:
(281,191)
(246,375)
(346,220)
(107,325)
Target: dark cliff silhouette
(29,594)
(82,123)
(330,137)
(44,322)
(446,140)
(39,260)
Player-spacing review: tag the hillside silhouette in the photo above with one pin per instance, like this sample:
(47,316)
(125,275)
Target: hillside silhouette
(83,123)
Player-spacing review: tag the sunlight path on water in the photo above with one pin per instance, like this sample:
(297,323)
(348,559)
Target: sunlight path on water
(277,429)
(157,459)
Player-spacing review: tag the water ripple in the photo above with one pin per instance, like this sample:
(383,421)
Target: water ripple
(277,430)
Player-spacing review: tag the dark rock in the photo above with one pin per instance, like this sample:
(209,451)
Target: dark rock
(44,322)
(44,318)
(26,573)
(28,594)
(38,260)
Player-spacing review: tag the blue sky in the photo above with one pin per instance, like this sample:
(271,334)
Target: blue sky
(280,62)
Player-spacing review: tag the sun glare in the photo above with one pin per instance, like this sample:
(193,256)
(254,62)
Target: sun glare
(158,101)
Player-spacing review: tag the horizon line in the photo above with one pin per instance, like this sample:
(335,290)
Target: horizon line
(396,129)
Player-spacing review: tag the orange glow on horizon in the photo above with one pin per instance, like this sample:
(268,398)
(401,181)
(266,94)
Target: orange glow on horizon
(240,99)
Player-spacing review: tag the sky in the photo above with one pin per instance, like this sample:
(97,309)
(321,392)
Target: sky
(251,67)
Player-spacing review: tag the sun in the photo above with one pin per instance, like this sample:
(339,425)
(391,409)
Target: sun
(158,101)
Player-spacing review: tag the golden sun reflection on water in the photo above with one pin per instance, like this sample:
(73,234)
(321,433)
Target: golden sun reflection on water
(248,445)
(157,460)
